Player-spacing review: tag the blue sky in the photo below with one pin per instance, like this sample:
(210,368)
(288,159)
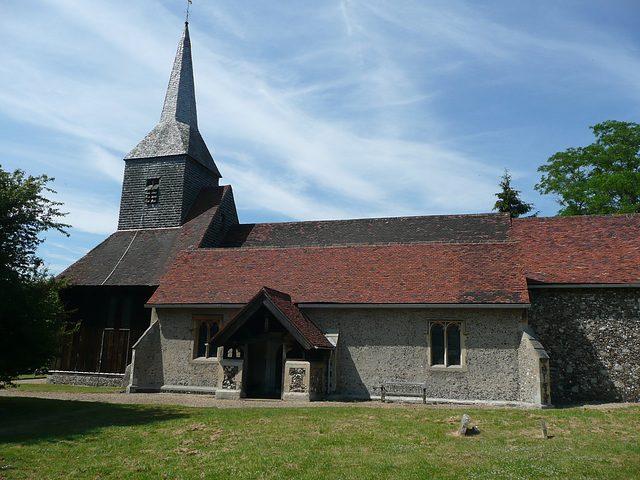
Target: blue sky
(314,110)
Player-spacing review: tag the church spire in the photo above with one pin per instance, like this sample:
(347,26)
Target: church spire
(177,132)
(180,101)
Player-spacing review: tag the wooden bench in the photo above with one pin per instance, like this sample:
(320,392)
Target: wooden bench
(403,389)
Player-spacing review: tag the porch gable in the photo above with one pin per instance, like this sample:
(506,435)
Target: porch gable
(280,305)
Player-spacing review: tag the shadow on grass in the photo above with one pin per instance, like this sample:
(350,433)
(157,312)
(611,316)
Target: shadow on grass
(33,420)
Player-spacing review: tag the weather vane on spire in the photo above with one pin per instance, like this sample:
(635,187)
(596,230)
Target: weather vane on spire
(188,5)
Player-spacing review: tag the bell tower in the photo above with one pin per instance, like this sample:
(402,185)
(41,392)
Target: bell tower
(165,171)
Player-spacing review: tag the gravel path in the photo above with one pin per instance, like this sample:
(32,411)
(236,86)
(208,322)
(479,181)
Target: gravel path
(184,399)
(207,401)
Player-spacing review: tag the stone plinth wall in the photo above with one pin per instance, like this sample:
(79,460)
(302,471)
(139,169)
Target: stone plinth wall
(592,337)
(230,379)
(297,376)
(390,345)
(85,379)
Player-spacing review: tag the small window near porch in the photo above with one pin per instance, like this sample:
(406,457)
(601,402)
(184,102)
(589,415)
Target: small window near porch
(233,352)
(205,328)
(446,344)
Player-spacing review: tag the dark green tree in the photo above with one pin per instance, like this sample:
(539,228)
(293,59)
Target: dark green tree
(509,199)
(31,314)
(601,178)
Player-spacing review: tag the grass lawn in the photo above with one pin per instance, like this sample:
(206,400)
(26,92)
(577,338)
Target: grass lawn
(54,439)
(31,376)
(46,387)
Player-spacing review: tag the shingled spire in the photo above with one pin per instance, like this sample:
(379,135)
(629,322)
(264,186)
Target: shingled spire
(177,133)
(180,102)
(165,173)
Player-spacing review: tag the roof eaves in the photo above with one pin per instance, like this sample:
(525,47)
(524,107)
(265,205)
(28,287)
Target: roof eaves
(195,305)
(583,285)
(414,305)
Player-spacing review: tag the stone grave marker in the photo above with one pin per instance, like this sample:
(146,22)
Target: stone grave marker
(464,424)
(543,428)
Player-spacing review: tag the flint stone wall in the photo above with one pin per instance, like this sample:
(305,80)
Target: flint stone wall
(390,345)
(592,337)
(374,346)
(85,379)
(173,365)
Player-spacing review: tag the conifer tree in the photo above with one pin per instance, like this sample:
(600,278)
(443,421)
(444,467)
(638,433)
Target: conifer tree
(509,199)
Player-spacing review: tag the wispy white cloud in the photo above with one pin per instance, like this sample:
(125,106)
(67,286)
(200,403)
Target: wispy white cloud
(314,110)
(106,163)
(89,213)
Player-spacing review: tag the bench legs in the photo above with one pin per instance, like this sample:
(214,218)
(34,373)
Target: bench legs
(383,394)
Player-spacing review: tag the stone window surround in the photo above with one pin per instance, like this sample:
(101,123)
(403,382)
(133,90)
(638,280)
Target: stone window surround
(463,351)
(209,320)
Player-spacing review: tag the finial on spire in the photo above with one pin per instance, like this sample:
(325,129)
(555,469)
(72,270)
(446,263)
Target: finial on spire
(188,6)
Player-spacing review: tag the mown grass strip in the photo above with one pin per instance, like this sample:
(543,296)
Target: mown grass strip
(45,387)
(42,438)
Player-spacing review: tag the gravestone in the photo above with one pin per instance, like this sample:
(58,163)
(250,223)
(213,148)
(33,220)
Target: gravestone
(464,424)
(543,428)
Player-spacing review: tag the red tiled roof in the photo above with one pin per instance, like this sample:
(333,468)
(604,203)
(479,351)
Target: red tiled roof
(285,310)
(581,249)
(389,274)
(142,257)
(305,326)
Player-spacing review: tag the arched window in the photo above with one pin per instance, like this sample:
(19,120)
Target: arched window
(203,339)
(453,344)
(205,328)
(438,344)
(445,344)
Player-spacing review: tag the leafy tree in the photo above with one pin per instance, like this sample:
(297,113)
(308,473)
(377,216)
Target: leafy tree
(31,314)
(601,178)
(509,199)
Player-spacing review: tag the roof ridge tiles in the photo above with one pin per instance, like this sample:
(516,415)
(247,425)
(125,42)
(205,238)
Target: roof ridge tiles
(364,219)
(146,229)
(560,218)
(377,244)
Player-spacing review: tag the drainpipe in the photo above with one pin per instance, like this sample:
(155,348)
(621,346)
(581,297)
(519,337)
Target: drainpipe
(329,373)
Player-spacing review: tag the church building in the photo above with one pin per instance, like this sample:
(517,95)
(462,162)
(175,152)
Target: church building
(455,308)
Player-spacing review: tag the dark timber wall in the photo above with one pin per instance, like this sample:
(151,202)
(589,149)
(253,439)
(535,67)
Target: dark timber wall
(110,320)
